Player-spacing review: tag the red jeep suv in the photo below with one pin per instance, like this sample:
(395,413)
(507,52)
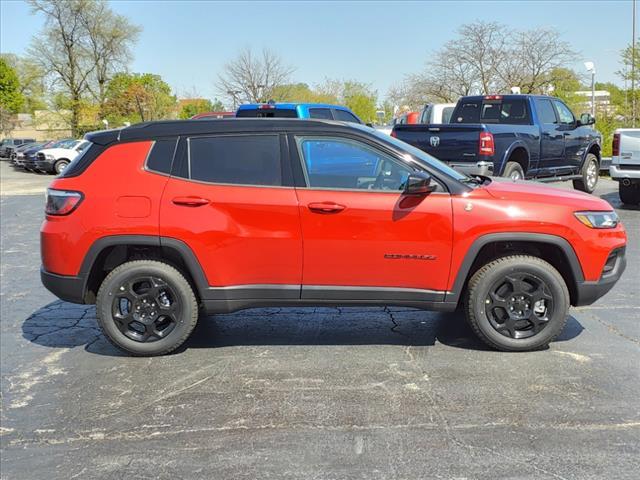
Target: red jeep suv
(157,221)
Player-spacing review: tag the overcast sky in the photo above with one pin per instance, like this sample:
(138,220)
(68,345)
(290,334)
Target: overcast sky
(188,42)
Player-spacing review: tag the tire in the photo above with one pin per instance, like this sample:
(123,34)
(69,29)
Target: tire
(629,194)
(59,166)
(513,170)
(490,294)
(590,174)
(131,319)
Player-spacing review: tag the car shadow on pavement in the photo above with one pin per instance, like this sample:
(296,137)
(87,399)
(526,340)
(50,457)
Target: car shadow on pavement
(614,199)
(64,325)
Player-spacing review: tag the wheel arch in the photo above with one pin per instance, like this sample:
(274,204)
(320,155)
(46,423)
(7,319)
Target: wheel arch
(108,252)
(594,148)
(518,152)
(551,248)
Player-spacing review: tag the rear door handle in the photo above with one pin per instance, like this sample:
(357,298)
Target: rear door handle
(190,201)
(325,207)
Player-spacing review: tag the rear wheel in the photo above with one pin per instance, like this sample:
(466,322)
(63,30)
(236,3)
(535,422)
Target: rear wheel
(146,308)
(513,170)
(517,303)
(590,174)
(629,194)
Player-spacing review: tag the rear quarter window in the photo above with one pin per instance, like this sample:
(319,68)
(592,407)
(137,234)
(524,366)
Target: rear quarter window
(161,155)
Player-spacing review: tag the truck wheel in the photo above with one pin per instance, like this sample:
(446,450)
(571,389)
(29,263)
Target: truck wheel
(629,194)
(590,174)
(146,308)
(60,166)
(517,303)
(513,170)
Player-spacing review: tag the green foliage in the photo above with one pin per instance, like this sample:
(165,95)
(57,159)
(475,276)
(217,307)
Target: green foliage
(626,59)
(361,100)
(11,99)
(138,97)
(31,80)
(195,106)
(301,93)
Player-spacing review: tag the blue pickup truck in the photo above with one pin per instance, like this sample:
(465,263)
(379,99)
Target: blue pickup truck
(297,110)
(515,136)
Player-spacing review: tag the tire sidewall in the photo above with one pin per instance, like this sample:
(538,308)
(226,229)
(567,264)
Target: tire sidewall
(557,288)
(591,158)
(511,167)
(181,287)
(58,164)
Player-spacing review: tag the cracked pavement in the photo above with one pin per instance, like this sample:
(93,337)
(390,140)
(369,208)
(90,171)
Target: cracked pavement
(318,393)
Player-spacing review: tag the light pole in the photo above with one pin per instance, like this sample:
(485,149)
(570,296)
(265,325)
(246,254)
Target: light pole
(590,66)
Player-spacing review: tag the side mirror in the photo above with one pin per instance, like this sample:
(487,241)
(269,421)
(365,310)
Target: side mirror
(418,183)
(586,119)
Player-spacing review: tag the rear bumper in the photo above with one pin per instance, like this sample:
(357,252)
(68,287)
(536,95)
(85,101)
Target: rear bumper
(65,287)
(589,292)
(473,168)
(619,173)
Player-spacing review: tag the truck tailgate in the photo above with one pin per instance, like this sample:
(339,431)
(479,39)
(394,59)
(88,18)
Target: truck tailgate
(446,142)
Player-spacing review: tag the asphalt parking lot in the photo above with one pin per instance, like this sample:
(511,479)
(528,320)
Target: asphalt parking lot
(327,393)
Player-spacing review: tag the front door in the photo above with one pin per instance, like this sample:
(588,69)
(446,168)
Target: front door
(232,206)
(551,140)
(574,142)
(363,238)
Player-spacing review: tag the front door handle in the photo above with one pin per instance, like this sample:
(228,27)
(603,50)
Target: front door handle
(190,201)
(325,207)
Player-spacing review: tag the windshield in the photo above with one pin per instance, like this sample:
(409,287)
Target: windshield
(418,155)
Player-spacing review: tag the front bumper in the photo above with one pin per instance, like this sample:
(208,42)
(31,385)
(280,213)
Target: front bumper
(588,292)
(473,168)
(65,287)
(618,172)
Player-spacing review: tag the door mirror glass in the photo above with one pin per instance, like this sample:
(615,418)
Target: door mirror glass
(587,119)
(418,183)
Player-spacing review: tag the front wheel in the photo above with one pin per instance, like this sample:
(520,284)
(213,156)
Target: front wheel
(517,303)
(146,308)
(629,194)
(590,174)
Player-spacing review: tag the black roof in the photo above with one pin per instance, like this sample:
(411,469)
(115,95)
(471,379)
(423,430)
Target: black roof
(171,128)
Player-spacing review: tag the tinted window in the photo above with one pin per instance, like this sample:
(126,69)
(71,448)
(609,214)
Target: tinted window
(323,113)
(344,163)
(508,111)
(241,159)
(267,113)
(345,116)
(546,113)
(564,113)
(161,155)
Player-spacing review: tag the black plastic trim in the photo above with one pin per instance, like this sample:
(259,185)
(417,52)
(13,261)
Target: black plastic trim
(476,246)
(358,293)
(589,292)
(67,288)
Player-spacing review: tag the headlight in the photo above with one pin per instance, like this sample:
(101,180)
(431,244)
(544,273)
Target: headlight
(598,219)
(49,157)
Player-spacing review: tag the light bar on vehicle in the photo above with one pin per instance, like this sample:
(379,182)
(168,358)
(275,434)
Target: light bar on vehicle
(493,97)
(266,106)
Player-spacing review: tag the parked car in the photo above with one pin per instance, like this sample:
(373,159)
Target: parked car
(213,115)
(17,153)
(297,110)
(436,113)
(8,144)
(235,214)
(30,156)
(407,118)
(514,136)
(625,164)
(55,160)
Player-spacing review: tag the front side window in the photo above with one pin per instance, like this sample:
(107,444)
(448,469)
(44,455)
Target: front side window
(342,163)
(236,159)
(345,116)
(323,113)
(564,113)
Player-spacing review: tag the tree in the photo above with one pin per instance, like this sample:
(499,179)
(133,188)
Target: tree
(253,78)
(356,95)
(138,98)
(31,80)
(81,43)
(195,106)
(11,99)
(300,93)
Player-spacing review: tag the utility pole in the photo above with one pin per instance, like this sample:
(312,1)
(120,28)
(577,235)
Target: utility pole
(633,67)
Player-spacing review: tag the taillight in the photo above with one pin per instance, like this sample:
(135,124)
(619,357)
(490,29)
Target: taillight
(487,147)
(394,134)
(62,202)
(615,146)
(493,97)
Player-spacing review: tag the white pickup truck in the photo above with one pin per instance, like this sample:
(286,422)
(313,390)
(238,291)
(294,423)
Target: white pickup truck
(625,164)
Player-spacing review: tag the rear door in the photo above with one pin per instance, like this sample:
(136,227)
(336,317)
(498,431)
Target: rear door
(231,199)
(551,138)
(363,238)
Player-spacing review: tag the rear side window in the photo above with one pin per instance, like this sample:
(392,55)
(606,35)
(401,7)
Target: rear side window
(236,159)
(267,113)
(161,155)
(323,113)
(345,116)
(546,112)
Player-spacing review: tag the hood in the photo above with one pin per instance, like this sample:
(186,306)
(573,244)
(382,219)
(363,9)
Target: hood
(523,190)
(58,152)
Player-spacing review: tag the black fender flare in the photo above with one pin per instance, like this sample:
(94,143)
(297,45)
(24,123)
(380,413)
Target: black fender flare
(588,149)
(507,155)
(478,243)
